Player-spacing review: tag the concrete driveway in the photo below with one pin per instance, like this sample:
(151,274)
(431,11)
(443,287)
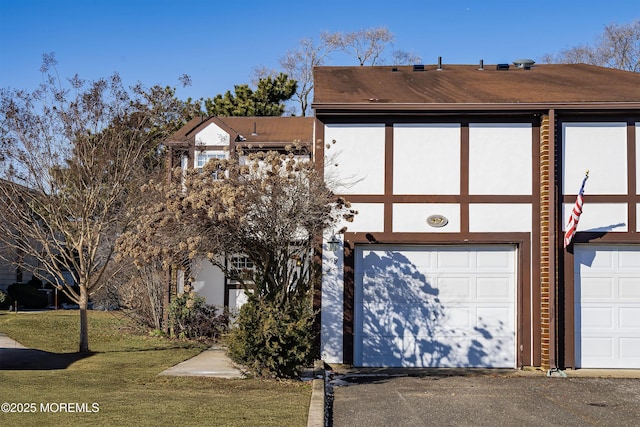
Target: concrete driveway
(484,399)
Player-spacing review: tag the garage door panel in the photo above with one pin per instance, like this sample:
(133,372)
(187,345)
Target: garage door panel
(600,347)
(596,289)
(630,348)
(433,306)
(628,260)
(496,319)
(494,261)
(629,318)
(597,318)
(629,288)
(495,288)
(454,288)
(607,306)
(454,260)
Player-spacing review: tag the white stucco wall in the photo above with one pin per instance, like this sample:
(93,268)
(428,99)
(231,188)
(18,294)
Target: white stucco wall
(332,314)
(500,158)
(370,218)
(600,148)
(212,135)
(358,153)
(500,217)
(426,158)
(599,216)
(208,282)
(412,217)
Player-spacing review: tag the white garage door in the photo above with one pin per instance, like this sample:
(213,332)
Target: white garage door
(435,306)
(607,306)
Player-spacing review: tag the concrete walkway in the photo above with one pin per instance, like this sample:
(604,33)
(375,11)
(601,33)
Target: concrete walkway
(212,362)
(6,342)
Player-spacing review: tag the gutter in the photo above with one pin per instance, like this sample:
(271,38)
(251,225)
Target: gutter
(383,107)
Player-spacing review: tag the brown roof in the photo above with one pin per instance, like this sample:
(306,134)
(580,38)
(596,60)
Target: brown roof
(253,130)
(465,86)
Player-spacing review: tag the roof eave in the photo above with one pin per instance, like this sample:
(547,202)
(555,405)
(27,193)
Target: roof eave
(474,107)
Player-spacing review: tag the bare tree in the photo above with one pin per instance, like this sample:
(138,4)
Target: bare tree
(72,162)
(299,63)
(366,45)
(402,57)
(617,47)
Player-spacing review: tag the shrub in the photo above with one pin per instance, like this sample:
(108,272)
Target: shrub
(5,300)
(274,339)
(28,295)
(191,317)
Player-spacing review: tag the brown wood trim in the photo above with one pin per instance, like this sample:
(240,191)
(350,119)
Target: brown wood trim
(348,303)
(631,176)
(318,147)
(602,198)
(445,198)
(413,108)
(464,177)
(569,310)
(388,176)
(531,312)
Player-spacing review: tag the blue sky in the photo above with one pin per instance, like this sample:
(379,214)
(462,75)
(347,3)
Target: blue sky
(220,43)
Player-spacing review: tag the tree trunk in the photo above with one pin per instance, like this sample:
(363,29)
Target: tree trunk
(84,330)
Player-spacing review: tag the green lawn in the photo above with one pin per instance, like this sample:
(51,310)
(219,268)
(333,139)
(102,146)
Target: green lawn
(121,377)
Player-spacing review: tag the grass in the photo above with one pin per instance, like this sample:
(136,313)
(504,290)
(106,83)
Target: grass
(121,376)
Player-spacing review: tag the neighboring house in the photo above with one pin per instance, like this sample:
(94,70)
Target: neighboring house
(216,137)
(464,177)
(10,273)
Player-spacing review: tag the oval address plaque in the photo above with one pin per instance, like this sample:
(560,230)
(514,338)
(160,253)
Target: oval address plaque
(437,221)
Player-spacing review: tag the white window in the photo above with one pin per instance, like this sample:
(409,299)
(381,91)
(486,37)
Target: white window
(202,157)
(242,267)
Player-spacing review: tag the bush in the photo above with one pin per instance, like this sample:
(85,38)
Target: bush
(5,300)
(191,317)
(28,295)
(272,339)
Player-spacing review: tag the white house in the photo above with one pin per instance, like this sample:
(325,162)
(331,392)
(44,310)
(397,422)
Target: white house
(216,137)
(464,177)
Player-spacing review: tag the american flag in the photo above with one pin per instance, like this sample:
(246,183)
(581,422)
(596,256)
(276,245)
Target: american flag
(575,215)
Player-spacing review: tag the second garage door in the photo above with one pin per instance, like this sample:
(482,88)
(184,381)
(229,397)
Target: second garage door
(607,306)
(435,306)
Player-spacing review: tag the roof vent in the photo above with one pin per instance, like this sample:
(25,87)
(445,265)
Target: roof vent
(502,67)
(481,64)
(439,63)
(524,63)
(394,69)
(255,129)
(418,67)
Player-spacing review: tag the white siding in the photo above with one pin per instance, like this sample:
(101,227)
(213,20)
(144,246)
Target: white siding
(412,217)
(426,159)
(500,217)
(212,135)
(332,313)
(358,153)
(500,159)
(599,216)
(208,282)
(600,148)
(370,218)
